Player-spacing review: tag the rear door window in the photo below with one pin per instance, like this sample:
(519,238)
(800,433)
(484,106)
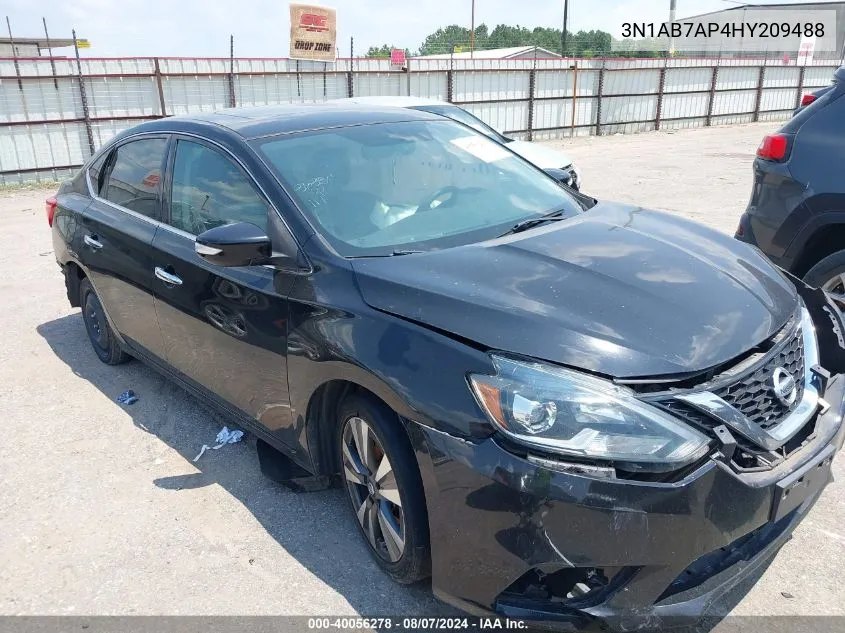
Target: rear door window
(134,181)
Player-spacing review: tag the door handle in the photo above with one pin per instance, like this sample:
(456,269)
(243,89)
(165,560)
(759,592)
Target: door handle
(93,242)
(167,277)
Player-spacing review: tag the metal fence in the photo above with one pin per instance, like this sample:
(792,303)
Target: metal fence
(54,113)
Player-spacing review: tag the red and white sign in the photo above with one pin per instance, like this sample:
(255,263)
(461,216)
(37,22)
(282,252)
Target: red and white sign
(397,57)
(806,50)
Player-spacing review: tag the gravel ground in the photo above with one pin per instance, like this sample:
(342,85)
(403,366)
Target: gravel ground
(104,512)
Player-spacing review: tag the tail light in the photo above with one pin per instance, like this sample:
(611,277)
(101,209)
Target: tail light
(50,205)
(773,147)
(808,99)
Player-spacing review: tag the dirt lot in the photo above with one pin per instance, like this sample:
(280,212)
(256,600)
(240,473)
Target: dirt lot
(103,511)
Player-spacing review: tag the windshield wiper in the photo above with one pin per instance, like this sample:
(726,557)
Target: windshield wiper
(530,223)
(395,253)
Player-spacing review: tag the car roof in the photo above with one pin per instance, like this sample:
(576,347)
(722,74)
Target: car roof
(253,122)
(397,102)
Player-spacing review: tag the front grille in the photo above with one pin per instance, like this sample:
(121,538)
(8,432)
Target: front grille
(754,396)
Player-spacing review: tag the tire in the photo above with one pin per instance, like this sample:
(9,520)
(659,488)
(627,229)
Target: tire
(99,331)
(374,488)
(829,275)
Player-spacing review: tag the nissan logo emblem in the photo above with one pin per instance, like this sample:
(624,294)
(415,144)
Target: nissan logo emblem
(784,386)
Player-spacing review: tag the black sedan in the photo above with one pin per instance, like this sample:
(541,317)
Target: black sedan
(557,409)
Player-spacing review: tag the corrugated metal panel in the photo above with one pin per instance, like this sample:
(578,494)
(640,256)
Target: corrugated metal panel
(39,100)
(734,102)
(631,81)
(488,86)
(195,94)
(777,99)
(677,106)
(687,79)
(736,78)
(625,109)
(558,113)
(781,77)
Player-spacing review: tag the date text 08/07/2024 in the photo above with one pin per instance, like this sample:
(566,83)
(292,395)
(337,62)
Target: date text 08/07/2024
(728,29)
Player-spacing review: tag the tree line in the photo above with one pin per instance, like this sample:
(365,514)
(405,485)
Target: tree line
(455,38)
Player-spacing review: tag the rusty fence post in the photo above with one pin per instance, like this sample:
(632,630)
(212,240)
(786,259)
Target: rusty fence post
(598,99)
(759,97)
(714,79)
(157,71)
(83,97)
(532,84)
(574,97)
(660,90)
(50,49)
(800,86)
(232,100)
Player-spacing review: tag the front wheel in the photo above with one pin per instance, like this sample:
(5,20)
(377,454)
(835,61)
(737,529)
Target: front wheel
(384,487)
(829,275)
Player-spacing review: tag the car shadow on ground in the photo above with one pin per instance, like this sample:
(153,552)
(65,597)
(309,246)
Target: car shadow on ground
(318,529)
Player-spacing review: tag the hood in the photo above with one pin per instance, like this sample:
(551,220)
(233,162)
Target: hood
(541,155)
(619,290)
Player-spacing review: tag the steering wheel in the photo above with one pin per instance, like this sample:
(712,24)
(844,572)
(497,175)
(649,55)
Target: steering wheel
(451,191)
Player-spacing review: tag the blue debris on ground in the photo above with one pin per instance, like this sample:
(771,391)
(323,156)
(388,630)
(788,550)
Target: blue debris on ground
(127,397)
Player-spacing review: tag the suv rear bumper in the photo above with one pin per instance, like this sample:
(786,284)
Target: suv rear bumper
(509,536)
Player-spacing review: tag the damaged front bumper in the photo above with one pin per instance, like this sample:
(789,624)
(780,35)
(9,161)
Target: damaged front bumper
(520,537)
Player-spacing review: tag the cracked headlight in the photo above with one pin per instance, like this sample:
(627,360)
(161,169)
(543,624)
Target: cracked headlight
(571,413)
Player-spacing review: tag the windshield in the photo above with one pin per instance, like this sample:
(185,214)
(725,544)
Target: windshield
(415,185)
(462,116)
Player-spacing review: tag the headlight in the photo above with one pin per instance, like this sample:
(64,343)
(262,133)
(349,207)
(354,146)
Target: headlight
(571,413)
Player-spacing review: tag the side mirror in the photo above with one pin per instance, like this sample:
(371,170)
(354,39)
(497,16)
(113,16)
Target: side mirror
(563,177)
(238,244)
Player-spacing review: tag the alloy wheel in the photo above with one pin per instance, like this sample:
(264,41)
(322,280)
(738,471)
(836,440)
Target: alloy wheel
(373,489)
(835,288)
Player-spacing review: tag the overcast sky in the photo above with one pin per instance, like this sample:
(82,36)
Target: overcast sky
(201,28)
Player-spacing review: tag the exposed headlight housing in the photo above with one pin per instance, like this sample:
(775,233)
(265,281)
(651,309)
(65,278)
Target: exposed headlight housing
(570,413)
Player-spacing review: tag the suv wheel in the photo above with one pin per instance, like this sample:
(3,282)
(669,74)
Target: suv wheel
(99,331)
(829,275)
(384,488)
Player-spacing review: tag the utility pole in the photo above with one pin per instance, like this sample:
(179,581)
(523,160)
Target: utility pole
(563,32)
(472,33)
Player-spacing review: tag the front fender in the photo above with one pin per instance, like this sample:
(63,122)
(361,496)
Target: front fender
(419,373)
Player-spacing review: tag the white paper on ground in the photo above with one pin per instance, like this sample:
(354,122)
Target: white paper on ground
(225,436)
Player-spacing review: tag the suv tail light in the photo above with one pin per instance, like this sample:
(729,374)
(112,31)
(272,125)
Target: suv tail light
(50,205)
(808,99)
(773,147)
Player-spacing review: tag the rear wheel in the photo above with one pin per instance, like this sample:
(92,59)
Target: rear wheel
(384,487)
(829,275)
(99,331)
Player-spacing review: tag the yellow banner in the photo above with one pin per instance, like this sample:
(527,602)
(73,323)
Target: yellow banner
(313,32)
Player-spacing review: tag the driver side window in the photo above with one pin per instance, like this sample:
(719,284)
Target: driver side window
(209,190)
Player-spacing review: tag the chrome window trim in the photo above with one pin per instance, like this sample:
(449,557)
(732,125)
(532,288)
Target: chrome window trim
(714,406)
(169,227)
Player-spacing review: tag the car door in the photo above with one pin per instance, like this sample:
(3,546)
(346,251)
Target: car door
(225,328)
(114,243)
